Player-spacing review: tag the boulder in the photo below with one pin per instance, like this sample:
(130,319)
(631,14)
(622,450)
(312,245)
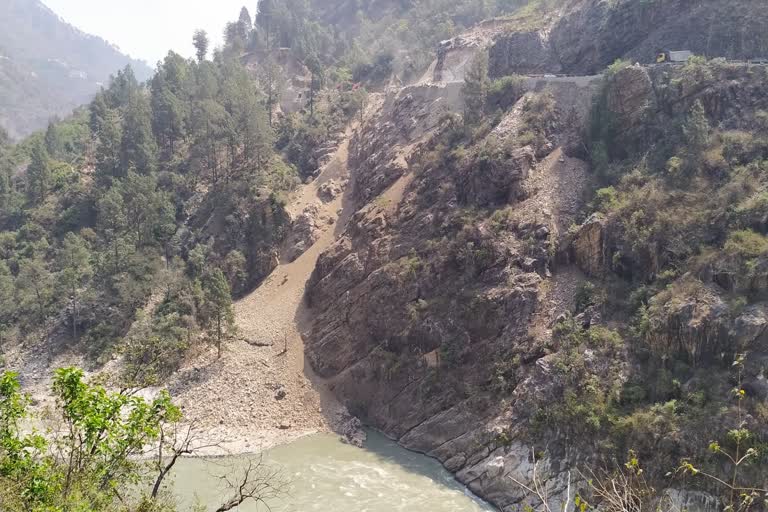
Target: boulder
(306,230)
(750,329)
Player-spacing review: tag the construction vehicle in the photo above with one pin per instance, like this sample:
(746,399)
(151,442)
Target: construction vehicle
(678,56)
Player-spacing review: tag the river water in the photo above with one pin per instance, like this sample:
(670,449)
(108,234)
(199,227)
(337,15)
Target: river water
(330,476)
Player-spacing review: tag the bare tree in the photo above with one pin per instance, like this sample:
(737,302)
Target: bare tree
(180,441)
(624,489)
(257,482)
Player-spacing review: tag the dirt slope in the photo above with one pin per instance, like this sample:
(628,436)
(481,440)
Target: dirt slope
(260,393)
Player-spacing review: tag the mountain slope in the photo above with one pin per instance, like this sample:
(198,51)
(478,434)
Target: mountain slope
(47,66)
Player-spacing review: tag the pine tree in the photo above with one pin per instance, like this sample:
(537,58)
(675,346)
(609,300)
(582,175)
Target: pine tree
(38,173)
(264,19)
(245,24)
(316,80)
(169,100)
(200,41)
(121,88)
(219,302)
(475,89)
(138,149)
(696,128)
(98,110)
(75,264)
(35,287)
(109,141)
(5,139)
(210,122)
(7,303)
(233,39)
(52,142)
(112,221)
(270,79)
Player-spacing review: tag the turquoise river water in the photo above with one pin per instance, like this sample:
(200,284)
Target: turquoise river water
(327,475)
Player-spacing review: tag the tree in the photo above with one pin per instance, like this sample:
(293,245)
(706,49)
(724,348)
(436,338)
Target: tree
(35,286)
(138,149)
(121,88)
(146,207)
(248,133)
(218,300)
(170,102)
(475,89)
(112,221)
(271,81)
(7,304)
(109,138)
(264,18)
(233,38)
(96,459)
(38,173)
(746,450)
(93,455)
(209,123)
(200,41)
(52,142)
(234,269)
(316,80)
(696,129)
(245,24)
(5,139)
(76,269)
(97,112)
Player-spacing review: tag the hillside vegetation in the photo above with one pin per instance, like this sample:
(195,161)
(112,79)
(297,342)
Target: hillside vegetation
(556,286)
(48,67)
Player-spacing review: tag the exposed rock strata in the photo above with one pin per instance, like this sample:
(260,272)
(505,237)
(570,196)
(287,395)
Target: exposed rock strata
(423,294)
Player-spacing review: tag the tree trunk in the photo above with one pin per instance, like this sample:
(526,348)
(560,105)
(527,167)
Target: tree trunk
(218,329)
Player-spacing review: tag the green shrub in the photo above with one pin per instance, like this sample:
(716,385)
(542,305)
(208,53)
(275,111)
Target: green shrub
(613,69)
(606,199)
(747,244)
(505,92)
(585,296)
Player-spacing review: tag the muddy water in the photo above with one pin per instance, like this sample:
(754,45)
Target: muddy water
(329,476)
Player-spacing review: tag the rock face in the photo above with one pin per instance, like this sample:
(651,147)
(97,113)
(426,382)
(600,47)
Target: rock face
(522,53)
(592,34)
(306,230)
(631,96)
(427,292)
(694,322)
(379,151)
(496,181)
(588,246)
(585,36)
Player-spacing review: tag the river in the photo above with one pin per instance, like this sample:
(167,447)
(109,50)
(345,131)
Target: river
(327,475)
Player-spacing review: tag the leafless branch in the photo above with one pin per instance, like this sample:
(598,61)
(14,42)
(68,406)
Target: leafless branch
(257,482)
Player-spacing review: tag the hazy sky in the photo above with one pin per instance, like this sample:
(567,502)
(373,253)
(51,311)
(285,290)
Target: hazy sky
(147,29)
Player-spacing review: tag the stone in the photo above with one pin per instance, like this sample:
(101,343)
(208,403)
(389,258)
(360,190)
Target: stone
(750,329)
(306,229)
(330,190)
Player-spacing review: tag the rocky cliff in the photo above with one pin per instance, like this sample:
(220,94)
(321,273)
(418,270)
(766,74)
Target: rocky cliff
(446,274)
(582,37)
(474,310)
